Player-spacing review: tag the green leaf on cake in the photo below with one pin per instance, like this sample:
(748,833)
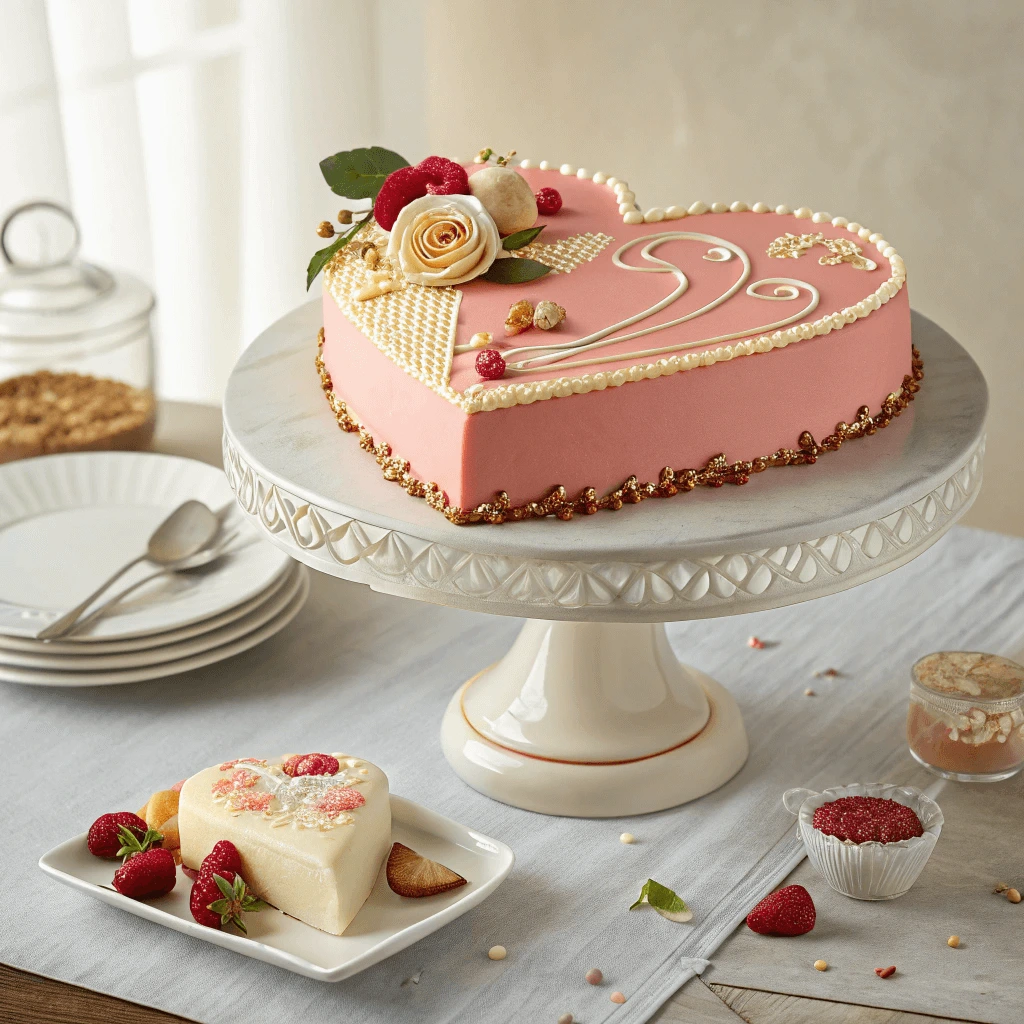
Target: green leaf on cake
(323,256)
(664,901)
(359,173)
(515,271)
(521,238)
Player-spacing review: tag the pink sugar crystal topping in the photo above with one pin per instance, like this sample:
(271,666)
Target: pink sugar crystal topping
(251,801)
(240,779)
(339,799)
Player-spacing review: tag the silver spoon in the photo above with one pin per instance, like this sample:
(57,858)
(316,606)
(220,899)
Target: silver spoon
(188,529)
(196,561)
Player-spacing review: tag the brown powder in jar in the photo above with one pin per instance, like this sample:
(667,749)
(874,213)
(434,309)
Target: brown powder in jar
(929,738)
(43,412)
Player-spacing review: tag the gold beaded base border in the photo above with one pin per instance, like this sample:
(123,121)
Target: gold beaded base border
(716,473)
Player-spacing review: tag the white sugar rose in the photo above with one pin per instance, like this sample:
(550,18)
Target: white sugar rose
(444,240)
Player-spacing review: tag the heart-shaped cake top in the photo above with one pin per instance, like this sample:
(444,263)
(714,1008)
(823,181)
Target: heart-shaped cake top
(644,294)
(305,791)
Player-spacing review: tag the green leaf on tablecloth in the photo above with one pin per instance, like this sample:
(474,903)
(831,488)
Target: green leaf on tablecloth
(359,173)
(664,901)
(515,271)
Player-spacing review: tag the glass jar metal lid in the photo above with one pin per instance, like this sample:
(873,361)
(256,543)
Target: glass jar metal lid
(48,294)
(970,676)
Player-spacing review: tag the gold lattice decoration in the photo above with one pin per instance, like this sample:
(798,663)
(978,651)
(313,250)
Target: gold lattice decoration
(843,250)
(567,254)
(414,326)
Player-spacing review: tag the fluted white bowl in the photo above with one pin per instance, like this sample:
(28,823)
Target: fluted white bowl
(867,871)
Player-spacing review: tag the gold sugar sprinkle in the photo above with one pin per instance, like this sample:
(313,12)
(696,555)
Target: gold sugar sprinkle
(520,317)
(843,250)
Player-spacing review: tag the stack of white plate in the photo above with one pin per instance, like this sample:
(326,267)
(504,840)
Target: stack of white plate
(68,521)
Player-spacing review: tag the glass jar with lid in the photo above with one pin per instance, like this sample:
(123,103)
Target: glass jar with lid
(76,347)
(966,716)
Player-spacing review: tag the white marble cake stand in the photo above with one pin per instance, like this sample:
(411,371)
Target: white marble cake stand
(590,713)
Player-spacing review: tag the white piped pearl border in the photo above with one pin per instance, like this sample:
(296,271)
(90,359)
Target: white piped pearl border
(478,398)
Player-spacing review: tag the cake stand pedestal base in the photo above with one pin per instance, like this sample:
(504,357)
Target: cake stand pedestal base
(593,720)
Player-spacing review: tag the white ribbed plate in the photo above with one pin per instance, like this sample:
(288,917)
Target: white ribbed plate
(68,521)
(386,924)
(101,648)
(41,658)
(55,677)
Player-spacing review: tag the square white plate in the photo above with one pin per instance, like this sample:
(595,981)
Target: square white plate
(386,924)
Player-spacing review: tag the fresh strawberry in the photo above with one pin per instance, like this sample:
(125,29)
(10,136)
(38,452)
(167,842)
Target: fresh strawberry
(204,892)
(132,845)
(146,875)
(790,911)
(222,898)
(311,764)
(222,858)
(104,838)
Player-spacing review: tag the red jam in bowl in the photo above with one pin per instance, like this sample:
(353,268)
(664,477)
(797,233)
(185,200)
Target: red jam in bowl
(867,819)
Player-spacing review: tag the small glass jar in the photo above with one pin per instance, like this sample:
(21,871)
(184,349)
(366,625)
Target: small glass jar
(76,349)
(966,715)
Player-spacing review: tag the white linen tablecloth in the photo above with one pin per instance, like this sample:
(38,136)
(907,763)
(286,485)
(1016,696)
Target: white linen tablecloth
(372,674)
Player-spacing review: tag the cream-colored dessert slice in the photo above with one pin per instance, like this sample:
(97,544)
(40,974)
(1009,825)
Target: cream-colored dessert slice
(311,846)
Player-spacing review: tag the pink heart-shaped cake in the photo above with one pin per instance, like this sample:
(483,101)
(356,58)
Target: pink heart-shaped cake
(686,346)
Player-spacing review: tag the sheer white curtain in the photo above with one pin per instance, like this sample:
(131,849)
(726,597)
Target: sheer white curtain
(186,135)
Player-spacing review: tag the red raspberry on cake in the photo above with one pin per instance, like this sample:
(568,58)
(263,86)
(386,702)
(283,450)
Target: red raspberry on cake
(437,175)
(310,764)
(490,365)
(549,202)
(867,819)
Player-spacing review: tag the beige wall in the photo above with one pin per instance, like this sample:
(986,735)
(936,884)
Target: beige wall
(905,115)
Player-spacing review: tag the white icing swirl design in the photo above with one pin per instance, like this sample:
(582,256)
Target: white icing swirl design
(720,250)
